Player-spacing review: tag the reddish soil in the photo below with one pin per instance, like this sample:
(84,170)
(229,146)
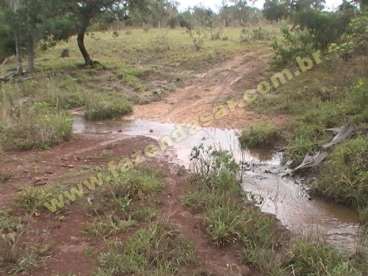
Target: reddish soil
(203,100)
(215,261)
(70,162)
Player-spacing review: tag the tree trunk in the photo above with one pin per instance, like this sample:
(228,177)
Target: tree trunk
(82,48)
(30,52)
(18,54)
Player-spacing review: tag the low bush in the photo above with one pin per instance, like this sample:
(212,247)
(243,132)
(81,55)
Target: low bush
(260,134)
(292,45)
(36,127)
(104,108)
(344,177)
(156,250)
(258,34)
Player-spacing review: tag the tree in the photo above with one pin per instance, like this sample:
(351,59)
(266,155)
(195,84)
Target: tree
(241,10)
(275,10)
(84,12)
(30,21)
(161,10)
(11,8)
(6,40)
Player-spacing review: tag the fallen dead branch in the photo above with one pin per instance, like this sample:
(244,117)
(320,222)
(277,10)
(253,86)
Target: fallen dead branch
(316,159)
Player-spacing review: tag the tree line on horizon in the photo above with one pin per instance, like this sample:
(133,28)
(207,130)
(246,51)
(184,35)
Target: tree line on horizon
(24,23)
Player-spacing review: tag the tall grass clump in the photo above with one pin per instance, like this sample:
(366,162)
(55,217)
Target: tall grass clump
(260,134)
(104,108)
(316,258)
(127,198)
(35,127)
(229,219)
(344,177)
(157,250)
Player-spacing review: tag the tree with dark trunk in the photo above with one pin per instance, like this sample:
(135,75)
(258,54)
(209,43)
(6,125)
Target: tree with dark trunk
(80,38)
(85,11)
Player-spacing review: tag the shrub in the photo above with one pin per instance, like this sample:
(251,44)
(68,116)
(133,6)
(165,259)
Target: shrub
(258,34)
(325,27)
(354,41)
(261,134)
(345,176)
(197,36)
(36,127)
(104,108)
(293,44)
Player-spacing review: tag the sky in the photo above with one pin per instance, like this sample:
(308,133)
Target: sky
(214,4)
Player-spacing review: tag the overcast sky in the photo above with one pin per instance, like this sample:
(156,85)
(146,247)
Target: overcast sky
(214,4)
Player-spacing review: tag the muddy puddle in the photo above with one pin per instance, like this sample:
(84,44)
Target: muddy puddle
(281,196)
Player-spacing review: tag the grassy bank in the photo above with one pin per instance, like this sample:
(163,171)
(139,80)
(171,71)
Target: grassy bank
(315,102)
(230,220)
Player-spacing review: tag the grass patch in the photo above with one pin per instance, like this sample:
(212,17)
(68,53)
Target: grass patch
(156,250)
(15,256)
(260,134)
(36,127)
(230,220)
(344,177)
(102,108)
(127,199)
(33,199)
(106,227)
(316,258)
(216,194)
(127,189)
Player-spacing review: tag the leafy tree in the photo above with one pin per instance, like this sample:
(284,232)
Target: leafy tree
(30,21)
(275,10)
(237,12)
(6,39)
(83,12)
(241,10)
(161,10)
(203,16)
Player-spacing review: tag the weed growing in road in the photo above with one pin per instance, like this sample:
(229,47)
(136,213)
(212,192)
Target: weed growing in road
(157,250)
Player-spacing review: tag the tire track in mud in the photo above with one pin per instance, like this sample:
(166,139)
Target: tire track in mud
(199,99)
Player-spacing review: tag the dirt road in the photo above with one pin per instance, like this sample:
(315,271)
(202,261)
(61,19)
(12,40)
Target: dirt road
(204,96)
(63,164)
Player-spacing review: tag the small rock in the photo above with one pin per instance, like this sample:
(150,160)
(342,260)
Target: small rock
(65,53)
